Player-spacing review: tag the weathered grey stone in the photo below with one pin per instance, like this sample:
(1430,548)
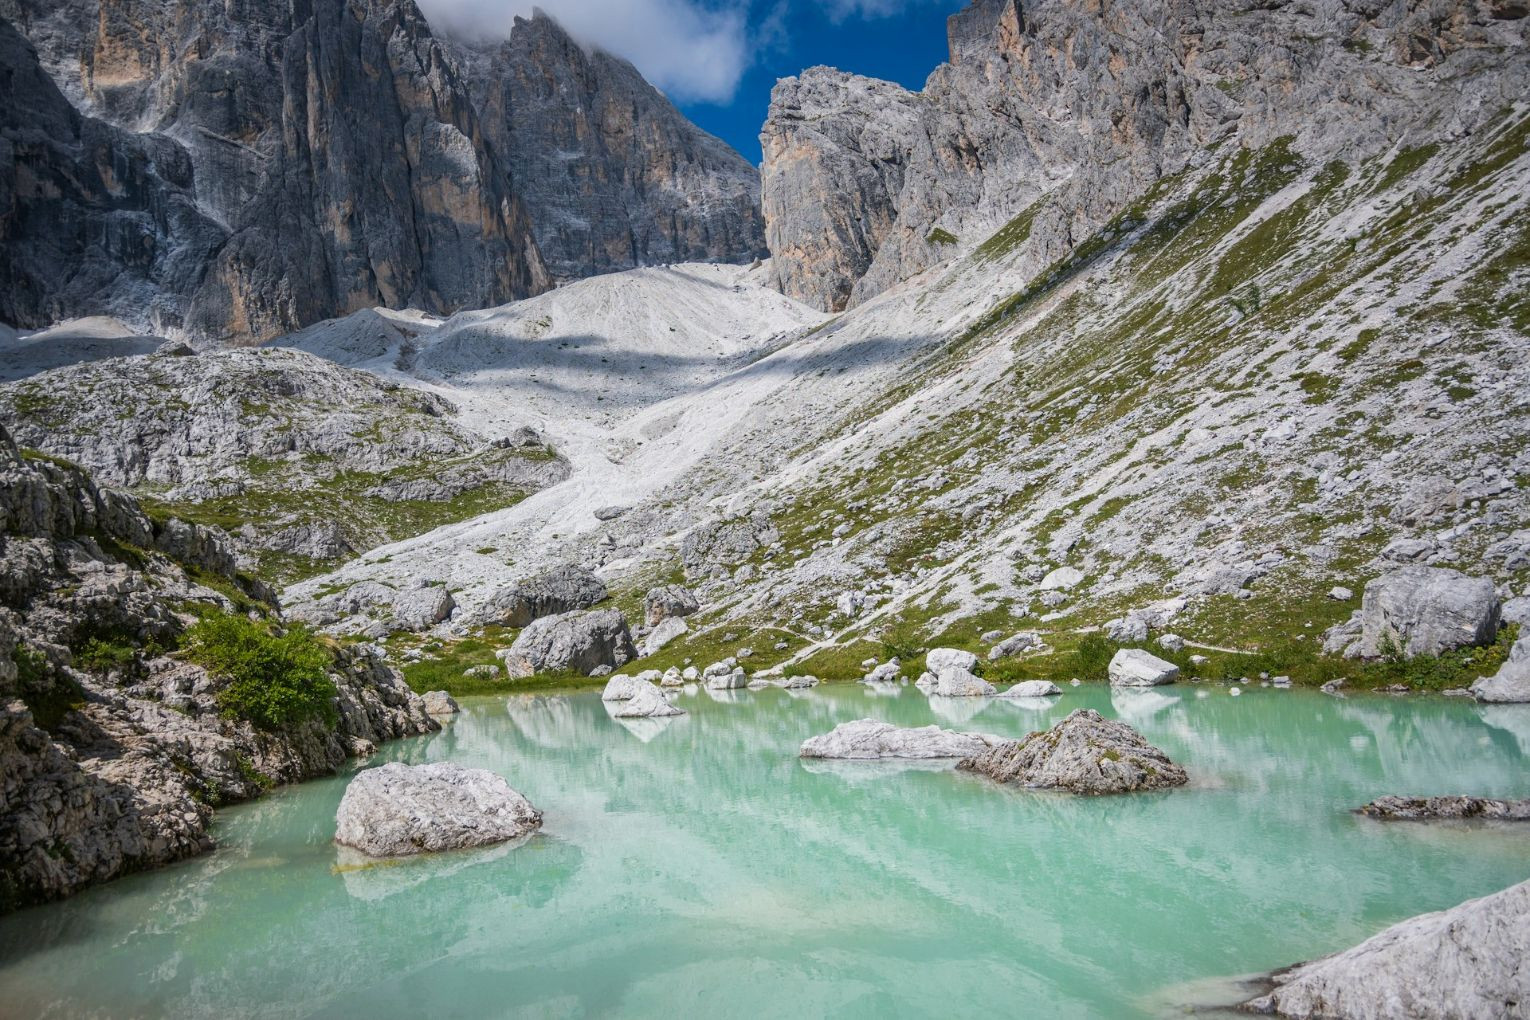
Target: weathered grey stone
(1062,579)
(1425,611)
(668,600)
(621,687)
(667,630)
(870,739)
(612,174)
(1423,809)
(956,682)
(1127,630)
(1085,753)
(1032,689)
(1511,684)
(559,590)
(1013,646)
(1133,667)
(1465,963)
(580,642)
(646,702)
(423,607)
(396,810)
(440,703)
(938,659)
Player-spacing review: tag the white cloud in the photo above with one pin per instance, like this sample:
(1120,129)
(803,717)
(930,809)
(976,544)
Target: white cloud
(841,10)
(690,50)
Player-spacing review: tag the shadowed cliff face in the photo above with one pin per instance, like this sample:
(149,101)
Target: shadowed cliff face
(332,142)
(866,184)
(614,176)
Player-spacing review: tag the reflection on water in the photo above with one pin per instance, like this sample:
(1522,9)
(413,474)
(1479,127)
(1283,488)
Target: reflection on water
(704,869)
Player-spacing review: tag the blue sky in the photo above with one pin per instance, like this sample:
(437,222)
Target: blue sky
(904,45)
(718,59)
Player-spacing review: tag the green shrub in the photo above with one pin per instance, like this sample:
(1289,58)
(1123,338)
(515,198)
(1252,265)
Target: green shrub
(274,680)
(1091,659)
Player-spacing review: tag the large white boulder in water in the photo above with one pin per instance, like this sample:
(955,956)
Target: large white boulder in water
(1511,684)
(1085,753)
(395,810)
(1032,689)
(646,702)
(1133,667)
(956,682)
(1465,963)
(870,739)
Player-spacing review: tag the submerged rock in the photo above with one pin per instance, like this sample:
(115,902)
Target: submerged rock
(1032,689)
(396,809)
(1085,753)
(1423,809)
(1133,667)
(1465,963)
(870,739)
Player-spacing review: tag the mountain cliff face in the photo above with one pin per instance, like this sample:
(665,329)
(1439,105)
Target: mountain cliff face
(322,211)
(866,184)
(613,175)
(206,168)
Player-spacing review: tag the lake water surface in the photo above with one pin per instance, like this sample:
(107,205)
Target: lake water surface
(699,868)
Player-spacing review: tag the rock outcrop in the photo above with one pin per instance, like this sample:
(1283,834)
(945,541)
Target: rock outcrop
(870,739)
(397,810)
(579,642)
(1465,963)
(613,176)
(303,210)
(1049,118)
(112,752)
(668,601)
(1429,809)
(1085,753)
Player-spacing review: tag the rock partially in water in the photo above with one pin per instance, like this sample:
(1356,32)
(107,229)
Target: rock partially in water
(396,810)
(870,739)
(955,682)
(1425,809)
(646,702)
(1133,667)
(1032,689)
(578,642)
(1511,684)
(1465,963)
(1085,753)
(440,703)
(621,687)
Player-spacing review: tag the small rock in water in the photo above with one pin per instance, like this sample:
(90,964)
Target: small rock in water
(440,703)
(646,702)
(395,810)
(1420,809)
(868,739)
(1032,689)
(1085,753)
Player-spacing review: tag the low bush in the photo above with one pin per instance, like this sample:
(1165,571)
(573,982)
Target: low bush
(273,679)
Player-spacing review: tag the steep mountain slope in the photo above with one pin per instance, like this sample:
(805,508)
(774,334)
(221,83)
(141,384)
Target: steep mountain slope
(866,184)
(614,177)
(1273,372)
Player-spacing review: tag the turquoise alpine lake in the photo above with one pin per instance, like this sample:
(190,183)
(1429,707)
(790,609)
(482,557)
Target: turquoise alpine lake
(697,867)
